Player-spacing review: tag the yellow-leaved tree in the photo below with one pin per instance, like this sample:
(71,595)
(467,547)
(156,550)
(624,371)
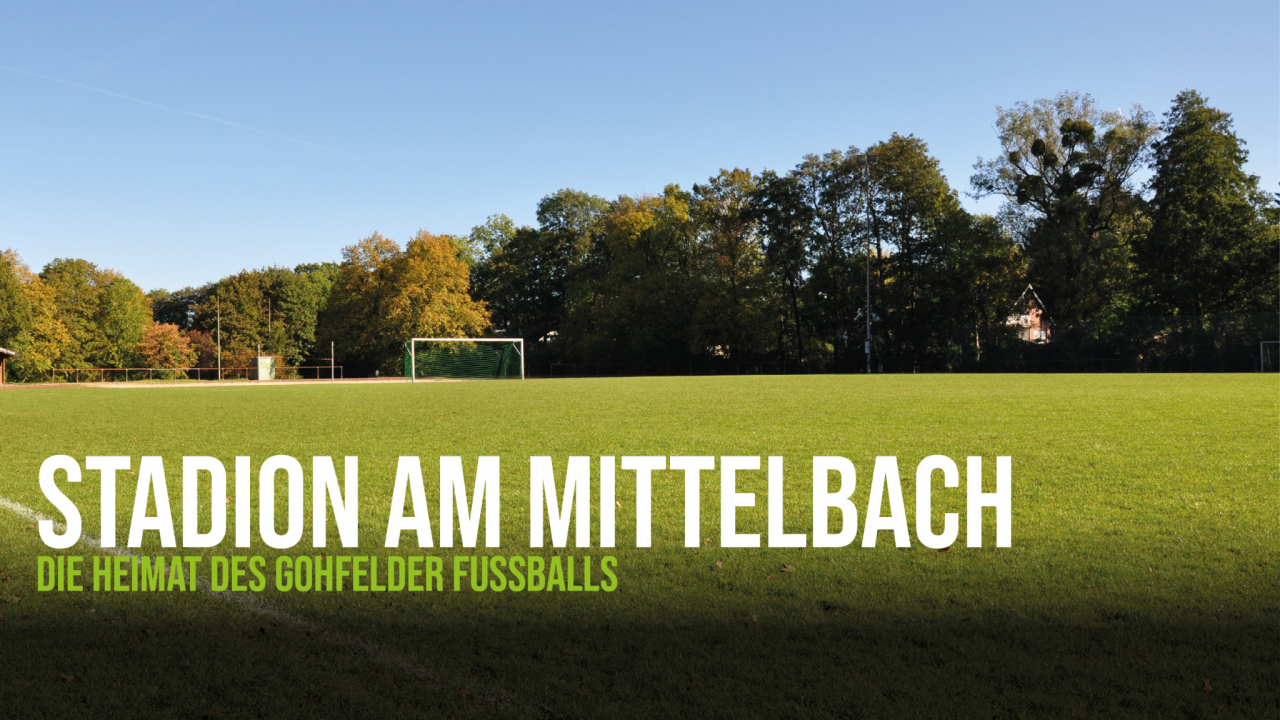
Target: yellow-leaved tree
(42,337)
(432,292)
(383,296)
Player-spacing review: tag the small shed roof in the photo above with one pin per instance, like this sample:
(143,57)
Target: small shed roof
(7,353)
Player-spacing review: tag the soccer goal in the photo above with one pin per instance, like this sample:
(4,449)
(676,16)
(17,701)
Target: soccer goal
(1269,355)
(477,358)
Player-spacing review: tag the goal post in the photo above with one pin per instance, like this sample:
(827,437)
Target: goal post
(473,358)
(1269,355)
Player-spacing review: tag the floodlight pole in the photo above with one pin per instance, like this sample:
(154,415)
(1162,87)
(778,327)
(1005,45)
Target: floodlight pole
(867,346)
(219,306)
(332,360)
(865,161)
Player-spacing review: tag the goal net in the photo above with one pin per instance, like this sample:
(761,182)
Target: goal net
(1269,356)
(464,358)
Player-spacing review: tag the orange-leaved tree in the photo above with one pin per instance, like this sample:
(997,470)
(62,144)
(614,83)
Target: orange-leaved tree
(164,346)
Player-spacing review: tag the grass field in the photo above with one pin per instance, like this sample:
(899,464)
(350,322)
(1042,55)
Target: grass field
(1143,572)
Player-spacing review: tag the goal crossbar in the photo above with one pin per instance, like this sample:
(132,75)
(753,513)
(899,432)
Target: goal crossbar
(517,343)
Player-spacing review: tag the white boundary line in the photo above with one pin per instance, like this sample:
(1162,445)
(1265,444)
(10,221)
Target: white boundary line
(373,650)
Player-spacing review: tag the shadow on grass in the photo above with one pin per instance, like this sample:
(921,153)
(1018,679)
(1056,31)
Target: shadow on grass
(102,657)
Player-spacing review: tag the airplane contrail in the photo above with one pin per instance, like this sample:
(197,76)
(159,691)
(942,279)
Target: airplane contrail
(175,110)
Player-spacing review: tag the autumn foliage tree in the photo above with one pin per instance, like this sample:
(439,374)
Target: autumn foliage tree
(164,346)
(37,331)
(382,296)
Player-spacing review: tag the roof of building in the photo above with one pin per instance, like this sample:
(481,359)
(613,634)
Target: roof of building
(1034,295)
(7,353)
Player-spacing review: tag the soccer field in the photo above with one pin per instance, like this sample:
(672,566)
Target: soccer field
(1142,578)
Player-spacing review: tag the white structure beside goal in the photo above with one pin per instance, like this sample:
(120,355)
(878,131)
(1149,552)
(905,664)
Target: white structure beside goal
(1269,355)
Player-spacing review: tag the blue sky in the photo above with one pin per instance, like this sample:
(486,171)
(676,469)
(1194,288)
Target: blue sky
(306,126)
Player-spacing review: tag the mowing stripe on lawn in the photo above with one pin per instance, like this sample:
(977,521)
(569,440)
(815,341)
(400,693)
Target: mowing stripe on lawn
(249,602)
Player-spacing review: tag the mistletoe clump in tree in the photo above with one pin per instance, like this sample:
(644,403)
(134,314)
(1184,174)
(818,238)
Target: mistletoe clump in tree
(1067,171)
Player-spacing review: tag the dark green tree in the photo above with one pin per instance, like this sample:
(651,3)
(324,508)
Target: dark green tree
(928,307)
(781,206)
(178,307)
(731,318)
(530,278)
(1212,247)
(636,301)
(833,186)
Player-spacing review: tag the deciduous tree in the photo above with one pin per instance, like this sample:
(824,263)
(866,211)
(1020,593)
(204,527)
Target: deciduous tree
(164,346)
(1067,171)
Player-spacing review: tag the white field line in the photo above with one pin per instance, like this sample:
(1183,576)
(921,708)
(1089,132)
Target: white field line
(249,602)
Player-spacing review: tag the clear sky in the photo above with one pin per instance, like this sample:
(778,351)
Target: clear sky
(181,142)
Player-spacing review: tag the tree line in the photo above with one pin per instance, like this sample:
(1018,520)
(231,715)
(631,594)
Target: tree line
(1108,215)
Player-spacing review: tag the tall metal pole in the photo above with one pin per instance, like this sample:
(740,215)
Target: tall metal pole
(219,305)
(331,361)
(867,346)
(866,160)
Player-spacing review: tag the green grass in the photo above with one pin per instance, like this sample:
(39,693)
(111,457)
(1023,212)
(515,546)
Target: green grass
(1143,562)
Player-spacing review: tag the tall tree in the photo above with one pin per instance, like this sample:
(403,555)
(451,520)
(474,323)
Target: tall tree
(493,235)
(382,296)
(42,343)
(833,187)
(124,314)
(731,314)
(273,310)
(1067,171)
(931,241)
(77,290)
(432,292)
(178,307)
(104,313)
(1212,246)
(531,277)
(237,305)
(16,316)
(637,303)
(786,218)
